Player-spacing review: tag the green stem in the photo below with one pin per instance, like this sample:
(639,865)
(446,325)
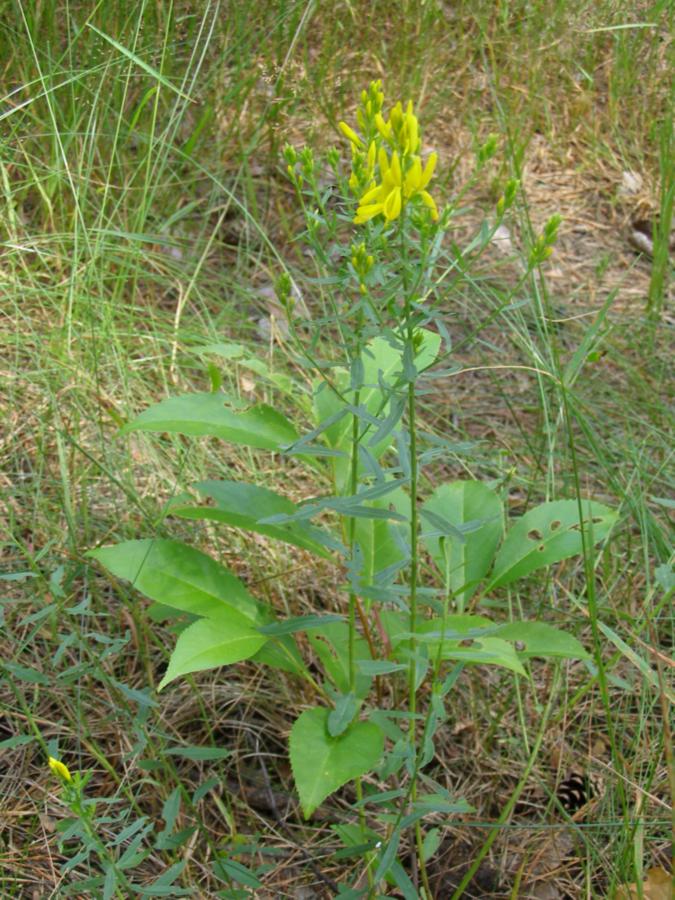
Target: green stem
(412,705)
(414,563)
(353,486)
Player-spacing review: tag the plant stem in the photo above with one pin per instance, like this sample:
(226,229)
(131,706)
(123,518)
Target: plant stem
(417,858)
(354,482)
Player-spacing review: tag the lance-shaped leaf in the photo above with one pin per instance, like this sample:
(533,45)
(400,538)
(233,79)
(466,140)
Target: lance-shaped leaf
(463,563)
(178,577)
(321,763)
(541,639)
(208,643)
(547,534)
(260,426)
(244,505)
(181,577)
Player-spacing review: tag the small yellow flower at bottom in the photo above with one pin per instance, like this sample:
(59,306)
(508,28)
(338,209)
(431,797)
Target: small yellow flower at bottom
(60,769)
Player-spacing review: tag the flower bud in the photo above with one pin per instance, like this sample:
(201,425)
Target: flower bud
(59,769)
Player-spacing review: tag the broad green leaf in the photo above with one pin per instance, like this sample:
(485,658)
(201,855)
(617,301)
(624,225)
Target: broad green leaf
(546,535)
(243,505)
(298,623)
(541,639)
(460,626)
(206,414)
(376,538)
(281,653)
(181,577)
(321,764)
(463,565)
(483,651)
(469,639)
(208,643)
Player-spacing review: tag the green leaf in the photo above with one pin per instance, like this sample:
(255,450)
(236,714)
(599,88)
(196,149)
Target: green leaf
(382,363)
(181,577)
(377,540)
(484,651)
(261,426)
(431,843)
(463,565)
(17,741)
(243,505)
(283,654)
(208,643)
(199,753)
(547,534)
(346,707)
(380,666)
(27,673)
(298,623)
(541,639)
(321,764)
(469,639)
(459,626)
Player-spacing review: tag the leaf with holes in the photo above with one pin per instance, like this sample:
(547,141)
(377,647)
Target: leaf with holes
(547,534)
(540,639)
(321,764)
(482,651)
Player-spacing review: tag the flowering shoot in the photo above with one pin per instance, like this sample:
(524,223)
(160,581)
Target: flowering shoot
(387,171)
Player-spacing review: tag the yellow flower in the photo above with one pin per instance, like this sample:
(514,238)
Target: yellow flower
(60,769)
(396,188)
(350,134)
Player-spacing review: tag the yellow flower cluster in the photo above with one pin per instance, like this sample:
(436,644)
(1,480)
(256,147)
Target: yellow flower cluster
(390,151)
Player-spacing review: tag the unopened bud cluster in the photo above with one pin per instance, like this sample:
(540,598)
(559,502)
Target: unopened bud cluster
(507,199)
(543,246)
(362,263)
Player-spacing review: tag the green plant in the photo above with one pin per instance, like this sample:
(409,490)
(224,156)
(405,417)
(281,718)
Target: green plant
(366,440)
(117,855)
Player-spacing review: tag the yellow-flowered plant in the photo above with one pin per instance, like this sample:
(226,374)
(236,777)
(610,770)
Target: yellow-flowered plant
(387,172)
(60,769)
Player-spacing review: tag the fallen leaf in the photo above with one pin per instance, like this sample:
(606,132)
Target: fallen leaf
(658,885)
